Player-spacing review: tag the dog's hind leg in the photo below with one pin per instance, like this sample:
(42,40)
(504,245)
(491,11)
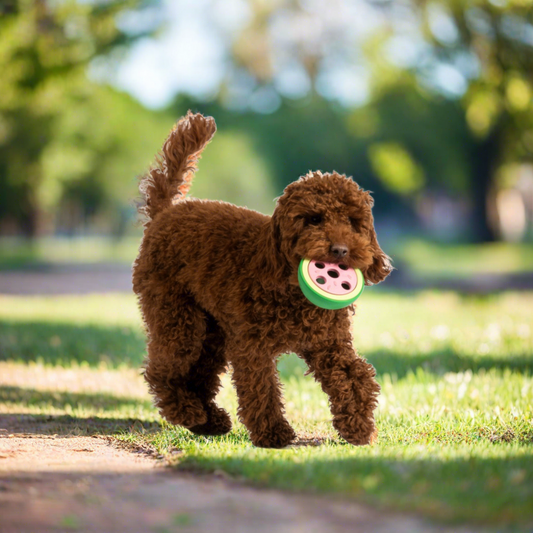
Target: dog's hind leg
(204,381)
(260,404)
(177,331)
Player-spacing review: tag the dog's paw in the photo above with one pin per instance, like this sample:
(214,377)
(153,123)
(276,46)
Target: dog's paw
(187,415)
(278,435)
(218,423)
(360,440)
(361,435)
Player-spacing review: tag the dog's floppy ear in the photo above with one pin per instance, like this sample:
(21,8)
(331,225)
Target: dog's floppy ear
(381,265)
(271,260)
(277,259)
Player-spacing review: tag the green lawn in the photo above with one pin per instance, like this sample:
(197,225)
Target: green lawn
(455,415)
(448,261)
(18,253)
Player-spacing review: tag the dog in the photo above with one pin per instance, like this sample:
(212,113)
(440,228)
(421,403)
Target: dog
(217,284)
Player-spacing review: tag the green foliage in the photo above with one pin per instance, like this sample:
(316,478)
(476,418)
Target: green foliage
(494,35)
(44,50)
(487,45)
(468,65)
(393,164)
(70,150)
(233,171)
(432,131)
(436,147)
(99,145)
(296,138)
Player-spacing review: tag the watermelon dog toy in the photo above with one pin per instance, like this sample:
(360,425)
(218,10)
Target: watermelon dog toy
(330,285)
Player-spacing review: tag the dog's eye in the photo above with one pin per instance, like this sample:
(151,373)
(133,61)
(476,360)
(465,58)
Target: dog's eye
(315,219)
(355,222)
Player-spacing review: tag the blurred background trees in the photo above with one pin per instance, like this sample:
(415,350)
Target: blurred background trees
(60,133)
(426,103)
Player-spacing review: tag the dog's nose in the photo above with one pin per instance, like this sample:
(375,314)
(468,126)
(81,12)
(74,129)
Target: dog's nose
(339,250)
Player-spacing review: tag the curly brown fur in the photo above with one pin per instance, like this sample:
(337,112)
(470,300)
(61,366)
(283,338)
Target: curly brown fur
(218,284)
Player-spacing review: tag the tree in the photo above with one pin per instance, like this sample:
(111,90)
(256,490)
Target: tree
(45,48)
(99,144)
(489,45)
(476,52)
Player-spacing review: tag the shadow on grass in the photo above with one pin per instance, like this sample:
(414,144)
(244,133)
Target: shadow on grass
(66,425)
(437,362)
(68,400)
(483,490)
(63,344)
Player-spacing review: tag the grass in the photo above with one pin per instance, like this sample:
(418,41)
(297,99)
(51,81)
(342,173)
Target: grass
(448,261)
(455,415)
(19,253)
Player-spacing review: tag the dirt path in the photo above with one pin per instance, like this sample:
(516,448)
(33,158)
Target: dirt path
(51,483)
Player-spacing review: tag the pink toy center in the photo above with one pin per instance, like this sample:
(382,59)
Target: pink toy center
(335,278)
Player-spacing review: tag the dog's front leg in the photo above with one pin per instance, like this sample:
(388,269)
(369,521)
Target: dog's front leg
(260,404)
(350,383)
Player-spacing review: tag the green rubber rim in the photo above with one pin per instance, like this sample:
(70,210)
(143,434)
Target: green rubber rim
(323,299)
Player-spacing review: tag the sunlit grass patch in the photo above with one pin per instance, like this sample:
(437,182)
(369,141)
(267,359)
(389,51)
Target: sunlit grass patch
(77,391)
(60,330)
(433,260)
(16,253)
(105,310)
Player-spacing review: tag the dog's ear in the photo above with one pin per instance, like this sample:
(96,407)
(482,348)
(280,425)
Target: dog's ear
(381,265)
(277,259)
(271,260)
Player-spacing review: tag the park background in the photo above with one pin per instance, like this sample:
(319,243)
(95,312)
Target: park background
(426,103)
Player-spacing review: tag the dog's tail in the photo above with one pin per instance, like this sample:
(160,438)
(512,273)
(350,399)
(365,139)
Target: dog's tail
(170,177)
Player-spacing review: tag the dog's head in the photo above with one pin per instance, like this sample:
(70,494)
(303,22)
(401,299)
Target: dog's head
(328,217)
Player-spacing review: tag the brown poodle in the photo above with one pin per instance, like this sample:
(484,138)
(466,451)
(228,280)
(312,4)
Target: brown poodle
(218,284)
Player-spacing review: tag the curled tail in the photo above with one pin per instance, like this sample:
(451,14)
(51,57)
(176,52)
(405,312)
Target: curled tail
(170,177)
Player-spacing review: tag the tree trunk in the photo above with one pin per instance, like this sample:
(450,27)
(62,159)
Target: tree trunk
(30,226)
(485,160)
(32,219)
